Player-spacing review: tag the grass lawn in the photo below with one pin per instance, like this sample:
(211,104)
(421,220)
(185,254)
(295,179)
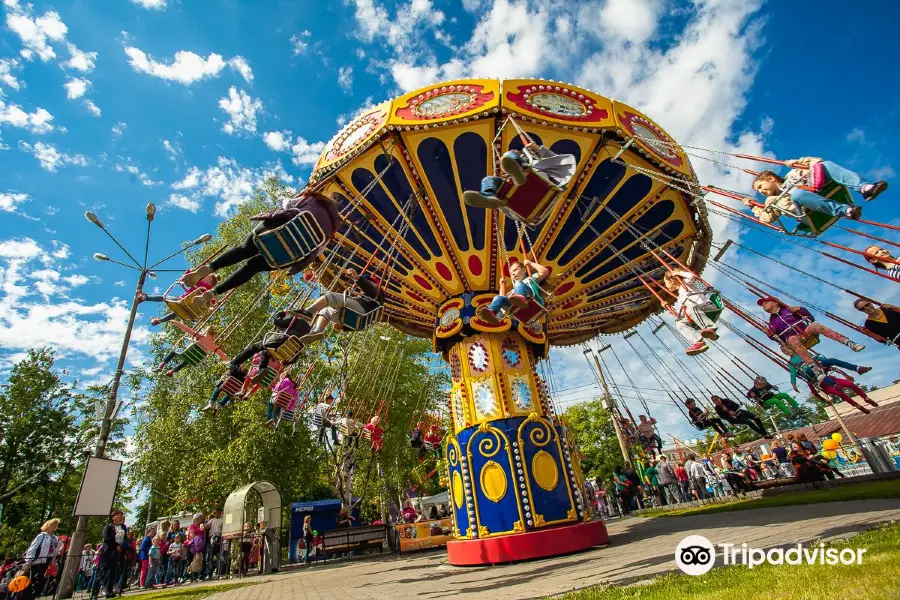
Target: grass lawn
(862,491)
(875,579)
(194,593)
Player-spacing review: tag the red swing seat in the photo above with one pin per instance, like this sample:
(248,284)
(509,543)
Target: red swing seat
(232,386)
(532,202)
(282,399)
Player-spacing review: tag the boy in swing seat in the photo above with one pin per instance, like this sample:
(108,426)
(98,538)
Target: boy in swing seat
(784,195)
(206,340)
(327,307)
(690,307)
(767,395)
(703,420)
(558,168)
(525,287)
(648,435)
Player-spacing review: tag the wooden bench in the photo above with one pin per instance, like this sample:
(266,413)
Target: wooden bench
(350,539)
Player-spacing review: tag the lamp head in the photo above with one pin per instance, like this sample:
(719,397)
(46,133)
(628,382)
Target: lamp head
(151,211)
(93,219)
(151,274)
(202,239)
(100,257)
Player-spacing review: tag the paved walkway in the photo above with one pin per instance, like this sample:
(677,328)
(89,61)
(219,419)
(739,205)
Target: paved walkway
(640,548)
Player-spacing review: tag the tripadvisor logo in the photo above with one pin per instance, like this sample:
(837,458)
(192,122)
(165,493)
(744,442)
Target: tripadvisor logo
(696,555)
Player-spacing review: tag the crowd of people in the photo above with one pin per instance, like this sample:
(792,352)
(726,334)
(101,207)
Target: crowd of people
(168,554)
(663,482)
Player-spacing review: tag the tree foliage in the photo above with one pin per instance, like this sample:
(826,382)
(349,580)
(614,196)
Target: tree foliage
(593,432)
(191,460)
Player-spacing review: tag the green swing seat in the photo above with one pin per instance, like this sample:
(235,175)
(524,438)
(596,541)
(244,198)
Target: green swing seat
(193,354)
(813,223)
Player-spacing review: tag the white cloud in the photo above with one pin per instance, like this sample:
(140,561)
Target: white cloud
(173,150)
(227,181)
(151,4)
(345,78)
(240,64)
(36,33)
(279,141)
(35,291)
(304,153)
(15,116)
(299,42)
(93,108)
(241,110)
(119,128)
(857,135)
(50,158)
(881,173)
(405,31)
(10,201)
(79,60)
(7,66)
(184,202)
(76,88)
(136,173)
(187,67)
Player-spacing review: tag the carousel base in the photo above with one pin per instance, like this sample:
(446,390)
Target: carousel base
(526,546)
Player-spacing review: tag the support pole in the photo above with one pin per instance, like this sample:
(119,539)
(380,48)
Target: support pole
(611,401)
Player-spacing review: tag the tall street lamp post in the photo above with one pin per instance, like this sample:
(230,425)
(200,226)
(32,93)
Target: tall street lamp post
(73,558)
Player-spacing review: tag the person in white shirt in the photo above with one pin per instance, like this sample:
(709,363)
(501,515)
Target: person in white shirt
(697,474)
(213,528)
(692,310)
(38,557)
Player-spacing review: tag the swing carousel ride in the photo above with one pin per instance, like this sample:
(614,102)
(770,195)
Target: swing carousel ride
(400,170)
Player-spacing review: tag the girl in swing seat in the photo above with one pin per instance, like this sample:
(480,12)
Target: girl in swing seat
(832,384)
(284,385)
(558,168)
(768,396)
(881,319)
(784,194)
(205,284)
(323,209)
(691,307)
(525,287)
(206,340)
(881,259)
(790,324)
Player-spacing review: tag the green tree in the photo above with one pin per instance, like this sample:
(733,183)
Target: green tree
(593,432)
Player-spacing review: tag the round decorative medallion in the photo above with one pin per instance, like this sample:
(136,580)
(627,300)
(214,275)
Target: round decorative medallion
(521,392)
(652,139)
(493,481)
(485,400)
(511,355)
(449,316)
(558,104)
(458,494)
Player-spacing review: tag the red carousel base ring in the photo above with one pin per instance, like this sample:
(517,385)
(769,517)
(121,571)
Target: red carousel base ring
(526,546)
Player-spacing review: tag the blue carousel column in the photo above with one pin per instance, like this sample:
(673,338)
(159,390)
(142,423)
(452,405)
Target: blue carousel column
(514,489)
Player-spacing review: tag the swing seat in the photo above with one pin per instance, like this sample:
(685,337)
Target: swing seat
(188,308)
(232,386)
(532,202)
(352,320)
(316,420)
(533,311)
(810,341)
(269,376)
(813,223)
(286,415)
(193,354)
(296,240)
(714,309)
(288,351)
(282,400)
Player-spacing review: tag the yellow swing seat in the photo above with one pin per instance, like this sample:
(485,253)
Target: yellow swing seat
(288,351)
(188,307)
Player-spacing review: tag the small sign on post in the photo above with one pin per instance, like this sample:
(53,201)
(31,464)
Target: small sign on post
(98,488)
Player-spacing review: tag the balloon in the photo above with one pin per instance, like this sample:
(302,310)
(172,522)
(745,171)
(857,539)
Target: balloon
(829,454)
(837,437)
(19,583)
(830,445)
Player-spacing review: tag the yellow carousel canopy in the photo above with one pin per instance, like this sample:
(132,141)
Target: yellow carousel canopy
(401,167)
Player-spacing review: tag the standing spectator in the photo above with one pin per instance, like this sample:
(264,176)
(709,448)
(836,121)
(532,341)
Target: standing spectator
(408,513)
(624,489)
(308,538)
(684,482)
(808,445)
(144,554)
(154,556)
(697,475)
(651,478)
(113,537)
(85,569)
(127,558)
(163,536)
(38,557)
(668,481)
(176,551)
(781,455)
(636,483)
(214,543)
(255,551)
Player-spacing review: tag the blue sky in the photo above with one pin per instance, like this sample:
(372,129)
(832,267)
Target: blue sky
(110,104)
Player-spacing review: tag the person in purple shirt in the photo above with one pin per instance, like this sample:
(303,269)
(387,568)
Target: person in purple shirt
(791,324)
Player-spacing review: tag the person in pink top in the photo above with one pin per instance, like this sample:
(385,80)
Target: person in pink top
(285,386)
(375,433)
(251,382)
(206,340)
(205,284)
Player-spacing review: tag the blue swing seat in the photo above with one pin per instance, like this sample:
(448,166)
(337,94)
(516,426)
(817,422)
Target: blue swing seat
(296,240)
(352,320)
